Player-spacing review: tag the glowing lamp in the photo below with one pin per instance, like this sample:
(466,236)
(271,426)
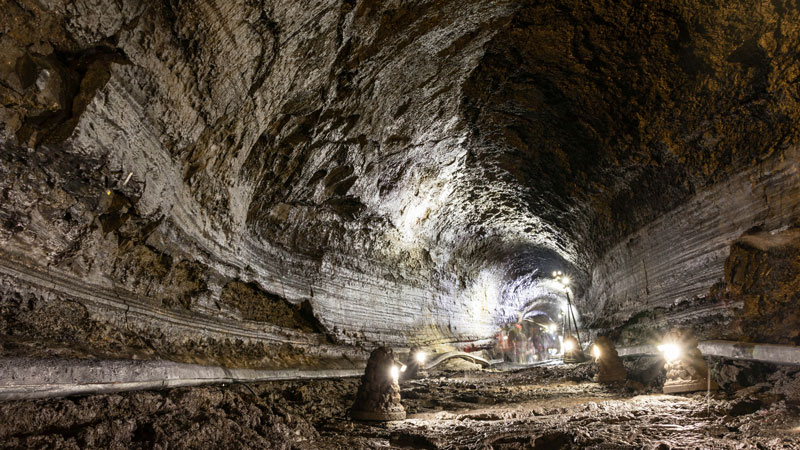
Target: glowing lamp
(596,352)
(686,369)
(671,351)
(552,328)
(395,371)
(572,350)
(565,281)
(421,356)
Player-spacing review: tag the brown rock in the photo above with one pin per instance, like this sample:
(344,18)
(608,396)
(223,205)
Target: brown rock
(378,396)
(609,364)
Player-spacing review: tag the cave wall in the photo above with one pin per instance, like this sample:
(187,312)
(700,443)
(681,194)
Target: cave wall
(409,171)
(678,263)
(195,144)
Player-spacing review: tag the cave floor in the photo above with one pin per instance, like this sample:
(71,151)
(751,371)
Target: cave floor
(541,408)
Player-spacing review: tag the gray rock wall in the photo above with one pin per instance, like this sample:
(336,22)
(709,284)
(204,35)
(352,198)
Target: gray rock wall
(681,255)
(413,171)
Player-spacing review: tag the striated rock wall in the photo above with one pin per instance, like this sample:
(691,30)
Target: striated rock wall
(289,146)
(683,254)
(411,170)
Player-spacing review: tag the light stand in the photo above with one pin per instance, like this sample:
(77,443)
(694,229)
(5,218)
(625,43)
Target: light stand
(574,354)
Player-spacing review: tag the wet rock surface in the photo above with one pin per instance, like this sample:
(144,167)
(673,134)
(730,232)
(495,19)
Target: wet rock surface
(542,407)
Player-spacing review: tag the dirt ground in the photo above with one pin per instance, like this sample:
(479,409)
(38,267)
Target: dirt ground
(555,407)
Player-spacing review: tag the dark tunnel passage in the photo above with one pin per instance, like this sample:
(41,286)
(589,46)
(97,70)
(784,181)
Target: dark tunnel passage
(215,215)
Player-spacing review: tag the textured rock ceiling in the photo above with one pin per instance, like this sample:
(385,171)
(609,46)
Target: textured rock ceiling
(413,169)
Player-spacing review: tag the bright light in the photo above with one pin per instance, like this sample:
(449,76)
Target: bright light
(395,371)
(420,357)
(596,352)
(671,351)
(555,273)
(565,281)
(569,345)
(552,328)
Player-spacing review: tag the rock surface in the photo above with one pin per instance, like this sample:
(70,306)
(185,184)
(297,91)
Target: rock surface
(540,408)
(409,171)
(378,397)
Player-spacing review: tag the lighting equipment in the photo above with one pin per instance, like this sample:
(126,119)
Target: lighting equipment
(572,350)
(671,351)
(421,356)
(395,371)
(686,369)
(552,328)
(573,353)
(596,352)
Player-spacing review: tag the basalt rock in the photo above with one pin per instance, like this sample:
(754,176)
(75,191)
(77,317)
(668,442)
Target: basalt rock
(609,365)
(378,397)
(407,169)
(763,273)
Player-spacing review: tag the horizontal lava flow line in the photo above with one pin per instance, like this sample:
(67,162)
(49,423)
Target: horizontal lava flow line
(27,378)
(773,353)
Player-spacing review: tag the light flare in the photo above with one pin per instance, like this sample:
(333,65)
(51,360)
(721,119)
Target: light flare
(671,351)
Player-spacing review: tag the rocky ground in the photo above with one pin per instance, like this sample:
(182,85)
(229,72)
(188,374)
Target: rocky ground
(456,408)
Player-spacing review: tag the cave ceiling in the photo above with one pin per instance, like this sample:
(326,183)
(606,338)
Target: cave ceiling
(439,149)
